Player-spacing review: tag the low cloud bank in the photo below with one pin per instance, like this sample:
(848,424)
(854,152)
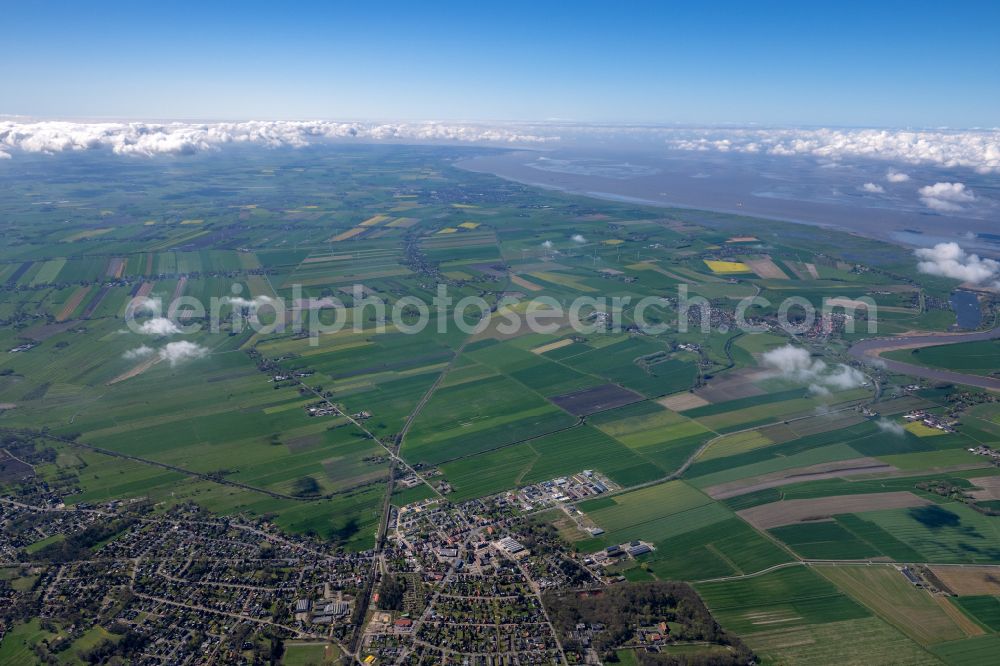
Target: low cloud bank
(974,149)
(148,139)
(797,365)
(950,260)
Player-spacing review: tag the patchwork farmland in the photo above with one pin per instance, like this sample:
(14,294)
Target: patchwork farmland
(791,500)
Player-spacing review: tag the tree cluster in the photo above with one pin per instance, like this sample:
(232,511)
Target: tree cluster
(390,593)
(78,546)
(622,609)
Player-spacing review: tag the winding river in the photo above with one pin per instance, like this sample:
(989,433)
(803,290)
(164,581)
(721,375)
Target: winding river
(866,350)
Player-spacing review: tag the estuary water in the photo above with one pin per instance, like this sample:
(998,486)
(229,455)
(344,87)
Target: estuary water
(856,197)
(968,312)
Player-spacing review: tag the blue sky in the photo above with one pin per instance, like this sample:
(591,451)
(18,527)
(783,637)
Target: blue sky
(803,63)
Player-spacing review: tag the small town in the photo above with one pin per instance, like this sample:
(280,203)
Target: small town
(461,582)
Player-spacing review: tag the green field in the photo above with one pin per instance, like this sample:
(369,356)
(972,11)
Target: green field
(985,609)
(949,532)
(565,452)
(16,646)
(791,597)
(885,591)
(871,641)
(724,548)
(695,537)
(971,652)
(977,358)
(310,654)
(824,540)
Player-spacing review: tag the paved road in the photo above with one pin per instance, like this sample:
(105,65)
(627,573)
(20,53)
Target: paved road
(869,349)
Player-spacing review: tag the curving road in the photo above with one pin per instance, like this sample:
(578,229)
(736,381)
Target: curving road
(873,348)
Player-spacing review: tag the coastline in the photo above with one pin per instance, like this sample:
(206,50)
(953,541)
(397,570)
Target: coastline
(897,227)
(640,201)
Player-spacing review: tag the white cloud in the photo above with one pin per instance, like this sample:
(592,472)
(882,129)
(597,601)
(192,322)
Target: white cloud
(578,238)
(793,362)
(974,149)
(145,304)
(894,176)
(874,362)
(158,326)
(844,377)
(891,427)
(137,353)
(950,260)
(796,364)
(173,352)
(252,304)
(547,244)
(140,138)
(940,205)
(177,352)
(946,197)
(873,188)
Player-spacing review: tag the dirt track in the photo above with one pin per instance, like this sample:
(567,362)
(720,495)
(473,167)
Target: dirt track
(830,470)
(787,512)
